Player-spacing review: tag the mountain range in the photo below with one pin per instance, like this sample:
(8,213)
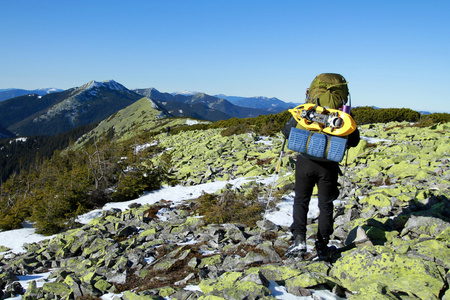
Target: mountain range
(273,104)
(12,93)
(56,111)
(62,111)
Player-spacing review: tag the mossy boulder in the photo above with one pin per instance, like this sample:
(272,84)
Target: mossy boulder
(379,200)
(129,295)
(230,286)
(57,290)
(4,249)
(305,280)
(277,273)
(397,272)
(422,225)
(432,250)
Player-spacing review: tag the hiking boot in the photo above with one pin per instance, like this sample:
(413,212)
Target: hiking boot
(323,251)
(297,248)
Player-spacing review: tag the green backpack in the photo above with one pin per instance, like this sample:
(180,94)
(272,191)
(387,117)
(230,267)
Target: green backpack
(329,90)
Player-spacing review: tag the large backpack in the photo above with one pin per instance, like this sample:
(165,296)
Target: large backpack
(328,90)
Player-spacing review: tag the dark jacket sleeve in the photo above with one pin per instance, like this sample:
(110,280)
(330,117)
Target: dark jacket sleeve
(353,139)
(287,128)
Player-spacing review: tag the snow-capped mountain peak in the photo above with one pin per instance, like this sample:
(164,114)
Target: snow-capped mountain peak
(108,84)
(43,91)
(114,85)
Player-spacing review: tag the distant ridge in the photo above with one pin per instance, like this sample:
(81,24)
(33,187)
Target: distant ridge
(59,112)
(12,93)
(273,105)
(200,105)
(5,133)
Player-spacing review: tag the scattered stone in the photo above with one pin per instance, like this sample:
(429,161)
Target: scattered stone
(396,211)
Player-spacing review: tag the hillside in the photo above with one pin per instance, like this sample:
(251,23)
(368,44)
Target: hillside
(45,113)
(201,106)
(20,154)
(60,112)
(393,219)
(144,115)
(5,133)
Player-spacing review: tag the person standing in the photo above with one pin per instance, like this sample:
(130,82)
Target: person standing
(311,171)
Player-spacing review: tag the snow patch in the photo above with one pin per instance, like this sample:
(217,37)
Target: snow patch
(109,84)
(21,139)
(371,140)
(185,93)
(139,148)
(154,105)
(194,122)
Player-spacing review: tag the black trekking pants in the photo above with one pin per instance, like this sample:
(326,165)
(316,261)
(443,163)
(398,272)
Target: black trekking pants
(308,173)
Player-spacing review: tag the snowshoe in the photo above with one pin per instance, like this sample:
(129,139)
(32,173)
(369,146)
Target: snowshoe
(330,121)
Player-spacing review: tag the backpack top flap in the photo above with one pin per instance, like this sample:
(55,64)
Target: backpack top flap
(328,90)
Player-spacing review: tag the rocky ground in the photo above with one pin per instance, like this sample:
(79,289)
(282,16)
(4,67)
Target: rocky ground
(394,225)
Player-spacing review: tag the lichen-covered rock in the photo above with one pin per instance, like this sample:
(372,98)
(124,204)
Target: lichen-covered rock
(129,295)
(276,272)
(229,286)
(376,291)
(7,277)
(398,272)
(304,280)
(394,191)
(3,248)
(57,290)
(33,292)
(165,263)
(210,297)
(429,226)
(380,201)
(236,262)
(432,250)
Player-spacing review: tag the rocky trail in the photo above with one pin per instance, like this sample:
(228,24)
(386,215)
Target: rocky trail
(393,220)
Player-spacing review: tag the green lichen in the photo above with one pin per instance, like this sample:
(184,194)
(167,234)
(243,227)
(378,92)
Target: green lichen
(277,273)
(147,232)
(444,235)
(59,289)
(396,271)
(434,250)
(102,285)
(229,285)
(210,261)
(4,248)
(305,280)
(225,281)
(128,295)
(377,200)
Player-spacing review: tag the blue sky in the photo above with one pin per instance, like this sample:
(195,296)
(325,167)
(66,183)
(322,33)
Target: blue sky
(392,53)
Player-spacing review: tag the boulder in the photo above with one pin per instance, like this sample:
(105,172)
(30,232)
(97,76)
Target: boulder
(397,272)
(230,286)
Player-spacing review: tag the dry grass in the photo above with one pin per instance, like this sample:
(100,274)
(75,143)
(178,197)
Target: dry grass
(164,278)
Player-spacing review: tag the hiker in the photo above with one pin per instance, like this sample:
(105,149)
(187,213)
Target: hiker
(310,171)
